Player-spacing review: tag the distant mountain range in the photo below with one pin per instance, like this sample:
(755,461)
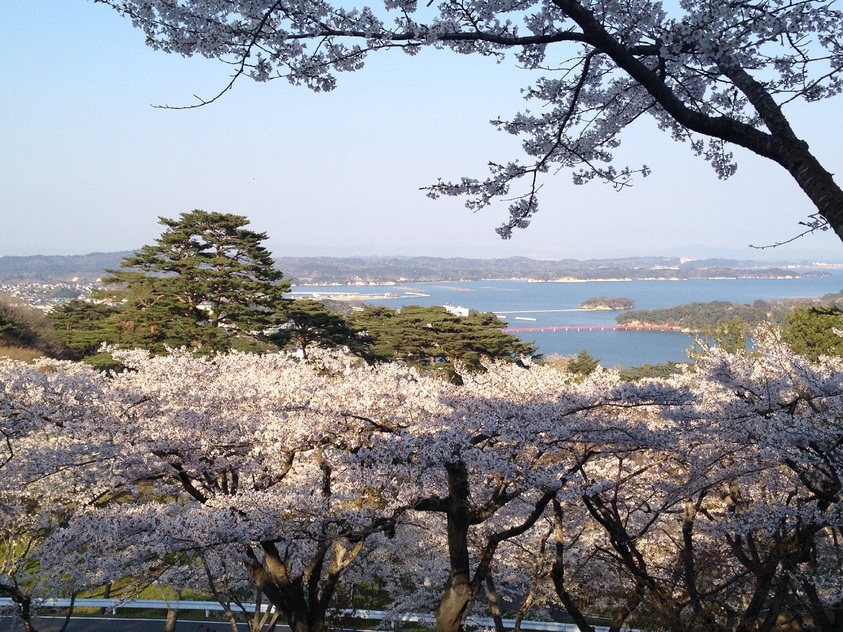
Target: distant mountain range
(371,270)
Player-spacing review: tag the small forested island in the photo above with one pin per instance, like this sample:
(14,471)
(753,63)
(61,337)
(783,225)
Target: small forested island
(701,317)
(692,317)
(607,303)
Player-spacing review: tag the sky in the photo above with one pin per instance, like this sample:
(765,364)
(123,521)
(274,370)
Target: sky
(87,164)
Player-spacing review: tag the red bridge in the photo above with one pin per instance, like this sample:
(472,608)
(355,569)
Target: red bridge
(561,328)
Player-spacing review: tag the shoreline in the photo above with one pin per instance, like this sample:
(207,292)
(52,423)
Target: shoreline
(404,282)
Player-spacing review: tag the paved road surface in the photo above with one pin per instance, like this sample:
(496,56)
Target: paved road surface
(103,624)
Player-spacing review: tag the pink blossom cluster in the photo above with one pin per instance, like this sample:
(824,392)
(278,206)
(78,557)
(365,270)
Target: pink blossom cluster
(712,498)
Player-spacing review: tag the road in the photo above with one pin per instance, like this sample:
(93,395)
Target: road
(117,624)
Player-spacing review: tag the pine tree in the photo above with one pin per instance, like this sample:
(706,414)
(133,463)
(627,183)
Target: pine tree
(583,363)
(82,326)
(813,331)
(434,337)
(204,282)
(311,324)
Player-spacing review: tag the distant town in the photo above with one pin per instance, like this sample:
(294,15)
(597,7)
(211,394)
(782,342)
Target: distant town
(46,295)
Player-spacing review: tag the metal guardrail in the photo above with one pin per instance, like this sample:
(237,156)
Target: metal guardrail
(366,615)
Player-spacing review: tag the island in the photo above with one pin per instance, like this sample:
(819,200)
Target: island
(607,303)
(700,317)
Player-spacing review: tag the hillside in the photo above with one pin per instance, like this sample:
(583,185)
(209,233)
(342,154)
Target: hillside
(370,270)
(56,268)
(316,270)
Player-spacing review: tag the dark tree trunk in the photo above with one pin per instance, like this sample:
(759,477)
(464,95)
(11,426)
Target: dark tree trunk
(69,613)
(817,183)
(494,604)
(23,603)
(306,599)
(285,593)
(460,591)
(106,593)
(462,588)
(557,573)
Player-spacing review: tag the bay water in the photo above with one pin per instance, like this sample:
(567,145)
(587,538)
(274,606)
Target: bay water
(537,305)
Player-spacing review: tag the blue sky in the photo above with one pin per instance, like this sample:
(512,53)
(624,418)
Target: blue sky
(87,164)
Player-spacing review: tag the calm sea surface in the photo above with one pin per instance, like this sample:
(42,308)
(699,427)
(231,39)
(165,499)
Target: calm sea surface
(537,305)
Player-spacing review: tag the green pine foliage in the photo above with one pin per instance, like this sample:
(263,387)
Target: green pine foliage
(608,303)
(309,323)
(206,281)
(434,338)
(694,317)
(648,371)
(82,327)
(583,363)
(813,331)
(731,334)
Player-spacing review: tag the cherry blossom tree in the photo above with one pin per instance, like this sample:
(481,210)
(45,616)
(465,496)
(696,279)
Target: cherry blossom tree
(722,513)
(290,467)
(38,405)
(710,500)
(780,479)
(712,74)
(20,534)
(249,458)
(511,442)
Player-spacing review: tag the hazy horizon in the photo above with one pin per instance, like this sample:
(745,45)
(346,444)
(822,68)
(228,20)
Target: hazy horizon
(315,252)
